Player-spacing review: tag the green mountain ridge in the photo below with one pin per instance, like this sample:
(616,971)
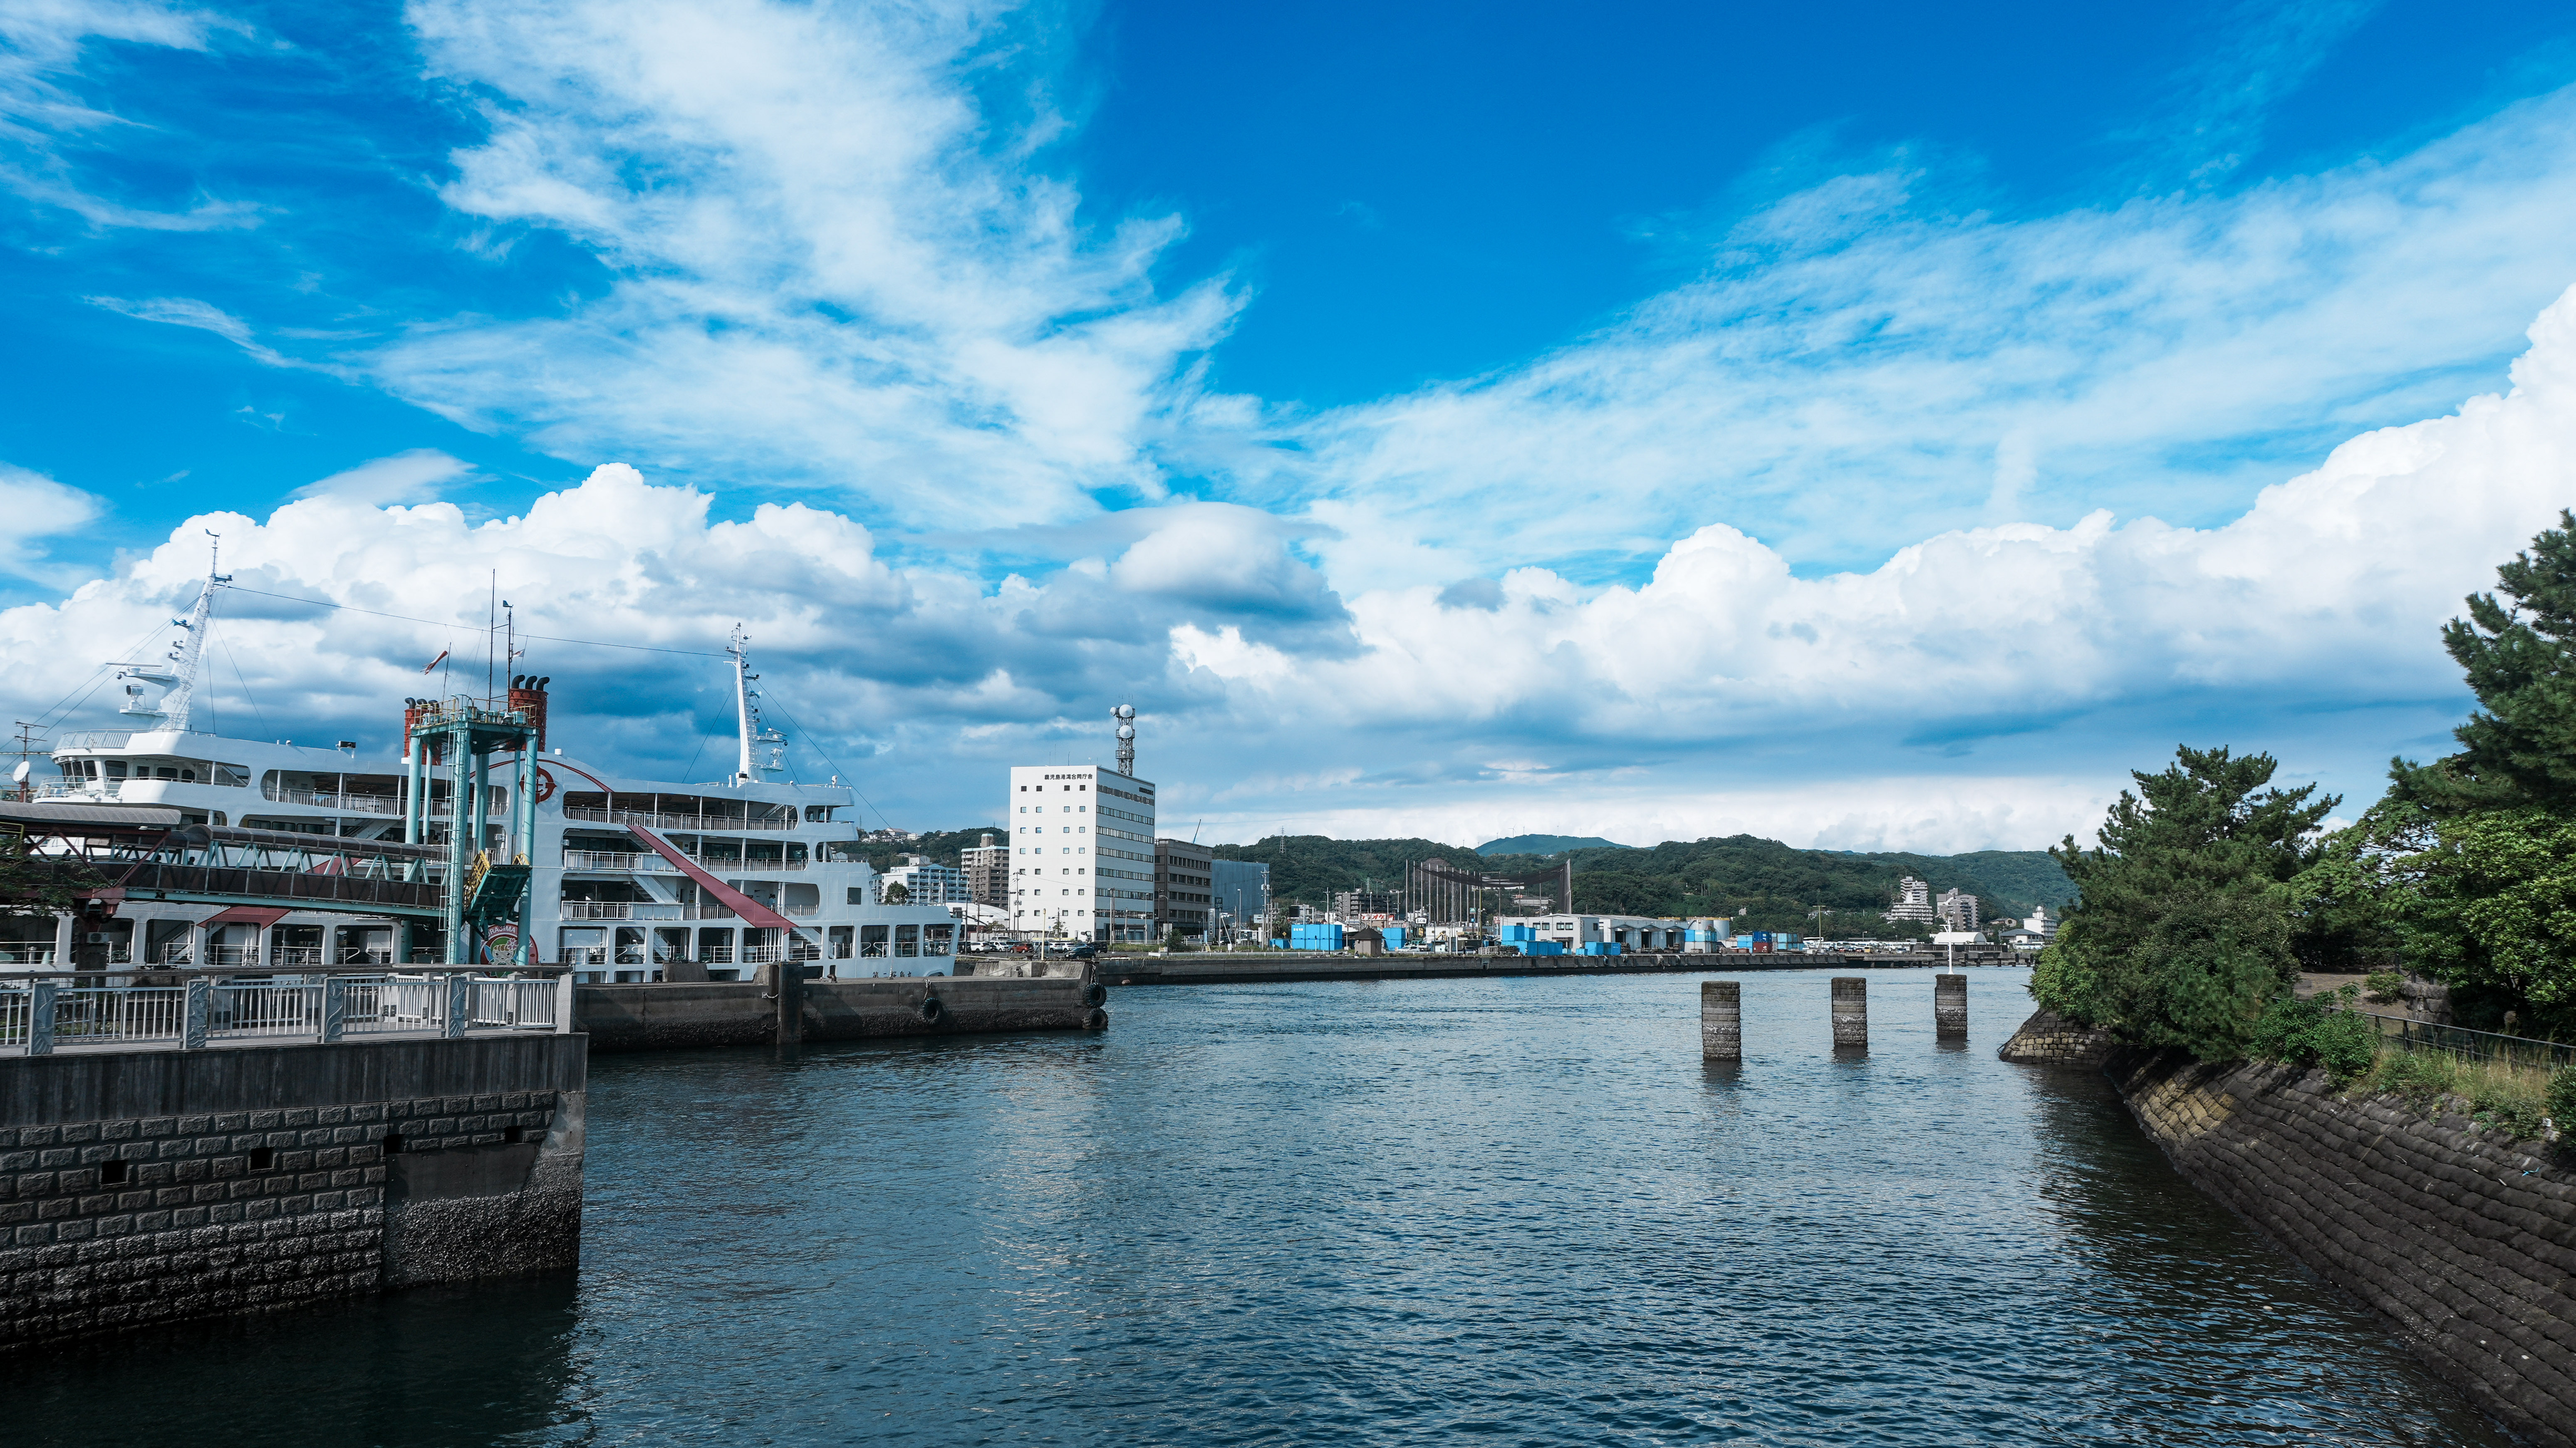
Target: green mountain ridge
(1547,845)
(1760,884)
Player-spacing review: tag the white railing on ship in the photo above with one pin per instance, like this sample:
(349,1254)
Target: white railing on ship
(384,804)
(694,824)
(620,910)
(26,955)
(629,863)
(75,1016)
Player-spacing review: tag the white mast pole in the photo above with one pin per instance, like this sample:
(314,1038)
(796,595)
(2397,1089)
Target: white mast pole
(745,728)
(176,703)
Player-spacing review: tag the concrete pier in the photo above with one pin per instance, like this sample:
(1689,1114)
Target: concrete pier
(754,1013)
(1851,1013)
(1950,1007)
(146,1187)
(1721,1020)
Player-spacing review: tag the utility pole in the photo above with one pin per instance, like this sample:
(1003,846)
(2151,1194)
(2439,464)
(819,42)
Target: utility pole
(26,747)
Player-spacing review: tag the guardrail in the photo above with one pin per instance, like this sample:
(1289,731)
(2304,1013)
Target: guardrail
(2477,1045)
(39,1016)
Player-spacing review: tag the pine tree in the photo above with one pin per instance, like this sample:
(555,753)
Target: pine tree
(2519,746)
(2183,932)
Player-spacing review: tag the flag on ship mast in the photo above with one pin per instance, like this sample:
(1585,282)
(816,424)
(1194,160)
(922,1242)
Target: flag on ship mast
(434,663)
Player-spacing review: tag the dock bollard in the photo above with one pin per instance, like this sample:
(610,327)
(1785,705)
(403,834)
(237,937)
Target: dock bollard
(1950,1007)
(1851,1012)
(1721,1020)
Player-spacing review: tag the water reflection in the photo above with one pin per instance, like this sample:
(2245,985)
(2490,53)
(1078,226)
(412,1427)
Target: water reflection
(1502,1210)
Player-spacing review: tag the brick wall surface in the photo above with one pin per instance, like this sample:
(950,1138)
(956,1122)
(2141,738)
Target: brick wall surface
(2466,1240)
(218,1212)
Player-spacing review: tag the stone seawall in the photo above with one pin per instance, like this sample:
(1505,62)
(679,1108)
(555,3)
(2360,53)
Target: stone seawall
(143,1187)
(2049,1039)
(2465,1241)
(672,1017)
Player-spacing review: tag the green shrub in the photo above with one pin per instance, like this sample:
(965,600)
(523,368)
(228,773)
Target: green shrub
(2314,1032)
(2508,1107)
(2562,1100)
(2421,1077)
(2384,986)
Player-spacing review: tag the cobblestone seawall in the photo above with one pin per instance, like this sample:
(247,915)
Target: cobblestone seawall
(2465,1241)
(146,1187)
(2049,1039)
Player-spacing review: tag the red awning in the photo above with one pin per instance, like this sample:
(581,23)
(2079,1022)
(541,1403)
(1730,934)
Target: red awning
(726,895)
(246,915)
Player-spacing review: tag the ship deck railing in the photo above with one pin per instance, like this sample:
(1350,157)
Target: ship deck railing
(691,823)
(622,861)
(125,1011)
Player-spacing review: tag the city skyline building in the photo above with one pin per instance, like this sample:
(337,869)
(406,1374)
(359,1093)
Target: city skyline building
(1183,884)
(1082,852)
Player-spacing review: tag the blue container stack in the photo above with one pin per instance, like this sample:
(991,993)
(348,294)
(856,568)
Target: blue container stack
(1513,934)
(1599,947)
(1314,935)
(1543,947)
(1394,936)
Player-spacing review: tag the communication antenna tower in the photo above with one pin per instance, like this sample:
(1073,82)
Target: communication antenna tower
(1125,714)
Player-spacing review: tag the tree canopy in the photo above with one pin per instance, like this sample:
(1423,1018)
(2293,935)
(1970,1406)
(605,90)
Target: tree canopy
(2184,933)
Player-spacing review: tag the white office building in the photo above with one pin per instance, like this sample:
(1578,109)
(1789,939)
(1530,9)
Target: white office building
(1082,853)
(926,883)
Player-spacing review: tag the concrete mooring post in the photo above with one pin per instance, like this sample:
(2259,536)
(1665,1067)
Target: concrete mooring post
(1851,1012)
(1721,1020)
(1950,1007)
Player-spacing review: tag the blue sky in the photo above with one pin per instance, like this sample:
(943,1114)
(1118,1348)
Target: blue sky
(1356,388)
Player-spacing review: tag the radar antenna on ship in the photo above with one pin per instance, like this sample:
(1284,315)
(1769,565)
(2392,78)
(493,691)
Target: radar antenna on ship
(175,673)
(764,749)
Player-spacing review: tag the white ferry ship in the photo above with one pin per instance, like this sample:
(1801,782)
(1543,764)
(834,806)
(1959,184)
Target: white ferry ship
(633,879)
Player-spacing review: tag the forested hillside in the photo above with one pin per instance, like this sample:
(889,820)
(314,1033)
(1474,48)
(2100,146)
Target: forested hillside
(1762,884)
(939,846)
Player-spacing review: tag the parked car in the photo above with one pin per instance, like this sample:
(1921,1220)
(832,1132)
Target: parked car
(1082,950)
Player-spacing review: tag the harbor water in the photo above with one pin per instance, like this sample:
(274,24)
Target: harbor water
(1494,1211)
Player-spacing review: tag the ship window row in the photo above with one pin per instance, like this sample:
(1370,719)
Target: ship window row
(179,771)
(640,953)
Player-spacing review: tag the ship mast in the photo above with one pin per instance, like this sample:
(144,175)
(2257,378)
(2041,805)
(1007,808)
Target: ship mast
(761,747)
(177,677)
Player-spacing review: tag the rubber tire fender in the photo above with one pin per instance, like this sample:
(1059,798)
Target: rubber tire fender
(932,1010)
(1095,1019)
(1095,994)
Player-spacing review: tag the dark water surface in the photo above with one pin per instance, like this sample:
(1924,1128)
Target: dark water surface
(1509,1212)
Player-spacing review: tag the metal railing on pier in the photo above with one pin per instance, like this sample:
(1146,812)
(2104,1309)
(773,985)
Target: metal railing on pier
(40,1015)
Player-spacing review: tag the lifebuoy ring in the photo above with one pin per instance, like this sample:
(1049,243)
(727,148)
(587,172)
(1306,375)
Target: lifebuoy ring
(545,785)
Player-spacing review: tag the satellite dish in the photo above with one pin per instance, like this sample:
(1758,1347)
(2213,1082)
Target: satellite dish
(19,774)
(1124,711)
(1125,731)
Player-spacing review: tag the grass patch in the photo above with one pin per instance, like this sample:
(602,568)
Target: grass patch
(2514,1099)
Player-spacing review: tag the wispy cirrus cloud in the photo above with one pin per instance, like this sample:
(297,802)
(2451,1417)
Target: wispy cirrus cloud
(41,46)
(1859,368)
(824,263)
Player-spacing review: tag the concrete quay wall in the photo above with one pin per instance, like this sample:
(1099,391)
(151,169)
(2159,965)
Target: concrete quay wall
(146,1187)
(672,1017)
(2464,1240)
